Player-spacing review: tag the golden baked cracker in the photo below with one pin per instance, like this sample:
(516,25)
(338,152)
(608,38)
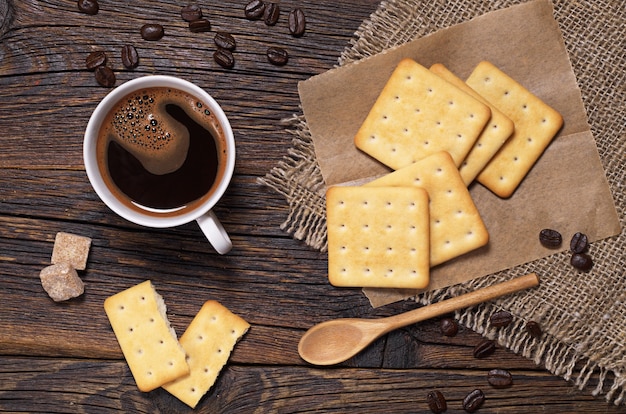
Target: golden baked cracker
(455,224)
(536,124)
(494,135)
(72,249)
(208,341)
(137,316)
(417,114)
(378,237)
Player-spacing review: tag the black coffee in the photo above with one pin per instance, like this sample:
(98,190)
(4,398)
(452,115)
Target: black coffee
(161,148)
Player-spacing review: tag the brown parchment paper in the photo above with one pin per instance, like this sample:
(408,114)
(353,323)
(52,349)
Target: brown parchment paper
(566,189)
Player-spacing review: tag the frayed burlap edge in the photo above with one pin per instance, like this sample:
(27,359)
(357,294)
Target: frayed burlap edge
(299,179)
(584,323)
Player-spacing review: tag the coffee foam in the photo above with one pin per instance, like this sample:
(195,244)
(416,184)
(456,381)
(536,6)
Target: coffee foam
(141,124)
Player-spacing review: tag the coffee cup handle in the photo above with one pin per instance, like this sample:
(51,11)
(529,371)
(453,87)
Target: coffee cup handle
(214,232)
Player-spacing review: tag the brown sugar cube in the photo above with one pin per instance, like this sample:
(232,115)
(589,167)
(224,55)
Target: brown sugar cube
(61,282)
(72,249)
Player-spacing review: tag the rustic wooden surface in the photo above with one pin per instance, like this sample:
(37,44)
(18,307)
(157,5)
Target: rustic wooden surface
(63,357)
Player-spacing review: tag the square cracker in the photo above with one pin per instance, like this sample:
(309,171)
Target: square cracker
(536,124)
(455,224)
(137,316)
(208,341)
(378,237)
(417,114)
(494,135)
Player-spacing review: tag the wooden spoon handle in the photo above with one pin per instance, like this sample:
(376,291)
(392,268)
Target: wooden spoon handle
(463,301)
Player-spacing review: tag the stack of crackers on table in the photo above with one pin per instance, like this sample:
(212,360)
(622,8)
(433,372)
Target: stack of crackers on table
(186,368)
(439,134)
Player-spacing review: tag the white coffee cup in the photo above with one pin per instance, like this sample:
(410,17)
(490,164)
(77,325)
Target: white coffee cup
(150,217)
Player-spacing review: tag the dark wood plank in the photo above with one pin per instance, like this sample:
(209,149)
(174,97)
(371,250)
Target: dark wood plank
(106,386)
(48,44)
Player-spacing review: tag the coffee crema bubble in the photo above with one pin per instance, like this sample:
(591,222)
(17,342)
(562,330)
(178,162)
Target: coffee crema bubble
(142,126)
(162,148)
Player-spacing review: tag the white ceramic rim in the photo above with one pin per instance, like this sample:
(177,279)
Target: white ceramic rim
(91,164)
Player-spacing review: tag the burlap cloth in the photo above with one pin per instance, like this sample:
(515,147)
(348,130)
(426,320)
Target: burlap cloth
(584,324)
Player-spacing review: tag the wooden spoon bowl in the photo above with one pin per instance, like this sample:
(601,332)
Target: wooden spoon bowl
(337,340)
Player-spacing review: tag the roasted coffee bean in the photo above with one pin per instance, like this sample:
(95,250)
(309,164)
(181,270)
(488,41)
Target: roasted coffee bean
(534,329)
(500,319)
(200,25)
(224,58)
(582,261)
(484,348)
(499,378)
(277,56)
(105,76)
(152,31)
(473,401)
(579,243)
(191,12)
(254,10)
(448,327)
(436,402)
(225,41)
(130,57)
(88,6)
(297,22)
(95,59)
(271,14)
(550,238)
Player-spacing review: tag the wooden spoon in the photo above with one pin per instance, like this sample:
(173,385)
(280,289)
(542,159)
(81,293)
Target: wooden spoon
(335,341)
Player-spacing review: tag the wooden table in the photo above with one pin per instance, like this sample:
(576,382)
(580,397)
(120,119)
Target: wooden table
(63,357)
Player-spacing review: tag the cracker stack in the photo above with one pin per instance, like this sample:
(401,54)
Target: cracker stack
(439,134)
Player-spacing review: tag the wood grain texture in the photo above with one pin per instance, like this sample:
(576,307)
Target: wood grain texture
(63,357)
